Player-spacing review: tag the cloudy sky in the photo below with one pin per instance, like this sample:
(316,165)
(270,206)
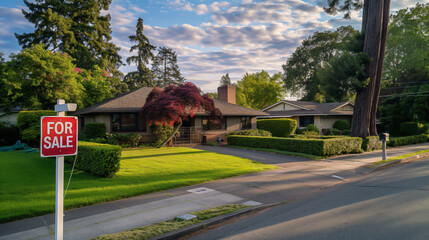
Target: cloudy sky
(211,38)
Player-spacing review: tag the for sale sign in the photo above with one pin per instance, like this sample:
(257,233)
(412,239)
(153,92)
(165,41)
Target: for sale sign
(58,136)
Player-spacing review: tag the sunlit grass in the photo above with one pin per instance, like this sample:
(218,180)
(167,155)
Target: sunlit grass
(399,157)
(27,182)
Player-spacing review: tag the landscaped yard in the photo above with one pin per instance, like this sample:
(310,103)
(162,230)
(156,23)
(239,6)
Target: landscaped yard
(27,182)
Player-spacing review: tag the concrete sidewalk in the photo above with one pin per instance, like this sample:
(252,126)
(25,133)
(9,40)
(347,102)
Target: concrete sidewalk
(295,178)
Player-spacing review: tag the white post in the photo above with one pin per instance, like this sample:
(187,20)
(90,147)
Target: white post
(59,193)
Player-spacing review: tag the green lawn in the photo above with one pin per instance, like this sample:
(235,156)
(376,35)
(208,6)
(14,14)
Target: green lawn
(27,182)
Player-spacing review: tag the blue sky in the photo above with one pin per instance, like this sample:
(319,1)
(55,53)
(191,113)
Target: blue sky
(211,38)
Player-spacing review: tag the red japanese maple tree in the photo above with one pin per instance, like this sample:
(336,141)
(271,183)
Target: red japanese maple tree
(171,105)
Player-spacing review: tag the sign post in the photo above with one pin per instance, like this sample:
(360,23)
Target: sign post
(58,138)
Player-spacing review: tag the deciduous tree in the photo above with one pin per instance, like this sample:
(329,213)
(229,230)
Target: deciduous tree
(225,80)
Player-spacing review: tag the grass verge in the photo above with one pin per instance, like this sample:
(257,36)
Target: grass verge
(27,182)
(173,224)
(375,164)
(304,155)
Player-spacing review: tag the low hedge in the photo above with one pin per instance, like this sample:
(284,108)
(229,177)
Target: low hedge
(400,141)
(319,147)
(250,132)
(280,127)
(95,130)
(342,125)
(98,159)
(371,143)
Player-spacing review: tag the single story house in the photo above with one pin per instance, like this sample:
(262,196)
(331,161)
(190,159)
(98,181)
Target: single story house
(10,117)
(323,115)
(121,115)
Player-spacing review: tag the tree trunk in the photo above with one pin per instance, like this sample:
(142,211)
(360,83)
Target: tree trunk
(171,136)
(386,13)
(364,97)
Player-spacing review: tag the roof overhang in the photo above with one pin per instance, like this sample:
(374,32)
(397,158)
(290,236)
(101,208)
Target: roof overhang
(288,103)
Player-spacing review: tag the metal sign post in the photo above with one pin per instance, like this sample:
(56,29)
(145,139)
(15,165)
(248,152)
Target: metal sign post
(58,137)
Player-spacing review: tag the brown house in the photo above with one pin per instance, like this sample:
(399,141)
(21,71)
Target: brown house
(121,115)
(323,115)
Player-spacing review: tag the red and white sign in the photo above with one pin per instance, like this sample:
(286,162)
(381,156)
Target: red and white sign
(58,136)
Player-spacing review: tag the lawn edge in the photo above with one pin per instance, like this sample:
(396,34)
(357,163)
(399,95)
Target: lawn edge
(396,161)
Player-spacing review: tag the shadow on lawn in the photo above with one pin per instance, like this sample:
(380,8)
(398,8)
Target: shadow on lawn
(165,154)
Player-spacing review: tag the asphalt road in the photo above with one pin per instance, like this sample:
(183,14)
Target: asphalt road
(389,204)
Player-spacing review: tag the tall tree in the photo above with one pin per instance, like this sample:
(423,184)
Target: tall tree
(165,68)
(143,76)
(75,27)
(259,90)
(300,71)
(225,80)
(375,21)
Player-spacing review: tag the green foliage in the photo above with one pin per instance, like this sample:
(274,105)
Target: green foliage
(97,85)
(319,147)
(313,128)
(259,90)
(342,125)
(413,128)
(165,68)
(95,130)
(250,132)
(212,95)
(98,159)
(29,124)
(124,139)
(336,131)
(371,143)
(301,69)
(400,141)
(161,133)
(9,134)
(225,80)
(281,127)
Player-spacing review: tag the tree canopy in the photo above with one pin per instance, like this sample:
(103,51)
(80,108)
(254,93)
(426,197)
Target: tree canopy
(143,76)
(225,80)
(165,68)
(259,90)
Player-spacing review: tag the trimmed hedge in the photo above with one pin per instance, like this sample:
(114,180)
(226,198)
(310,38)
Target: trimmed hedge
(342,125)
(250,132)
(400,141)
(124,139)
(98,159)
(29,124)
(95,130)
(280,127)
(371,143)
(312,128)
(319,147)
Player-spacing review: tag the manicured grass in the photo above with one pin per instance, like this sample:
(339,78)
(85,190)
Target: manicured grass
(399,157)
(27,182)
(172,225)
(296,154)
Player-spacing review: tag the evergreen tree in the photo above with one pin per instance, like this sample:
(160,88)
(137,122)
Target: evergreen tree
(165,68)
(225,80)
(143,76)
(75,27)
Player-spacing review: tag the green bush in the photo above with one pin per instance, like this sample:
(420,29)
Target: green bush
(371,143)
(250,132)
(9,134)
(124,139)
(160,133)
(400,141)
(424,129)
(95,130)
(280,127)
(300,130)
(98,159)
(311,133)
(336,132)
(342,125)
(29,124)
(319,147)
(312,128)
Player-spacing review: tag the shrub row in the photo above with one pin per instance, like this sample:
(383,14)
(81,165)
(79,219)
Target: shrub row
(250,132)
(371,143)
(95,130)
(281,127)
(319,147)
(413,128)
(29,124)
(98,159)
(394,142)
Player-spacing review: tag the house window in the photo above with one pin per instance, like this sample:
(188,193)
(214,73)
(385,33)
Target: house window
(124,122)
(246,122)
(212,124)
(305,120)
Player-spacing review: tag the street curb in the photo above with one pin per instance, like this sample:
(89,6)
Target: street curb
(177,234)
(408,159)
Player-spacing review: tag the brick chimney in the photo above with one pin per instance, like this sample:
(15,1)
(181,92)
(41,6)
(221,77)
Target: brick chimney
(226,93)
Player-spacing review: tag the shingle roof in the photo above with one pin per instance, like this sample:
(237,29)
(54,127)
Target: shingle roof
(309,108)
(134,101)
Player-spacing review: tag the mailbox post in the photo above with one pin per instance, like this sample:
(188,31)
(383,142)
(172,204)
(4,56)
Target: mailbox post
(384,137)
